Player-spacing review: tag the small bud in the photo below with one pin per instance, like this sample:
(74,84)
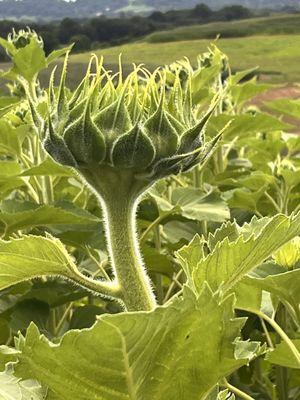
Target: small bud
(23,38)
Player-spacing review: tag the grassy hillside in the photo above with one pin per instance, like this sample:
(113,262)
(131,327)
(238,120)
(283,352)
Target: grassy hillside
(277,56)
(274,25)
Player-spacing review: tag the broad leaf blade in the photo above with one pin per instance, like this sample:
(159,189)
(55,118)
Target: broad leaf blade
(196,205)
(286,286)
(283,356)
(229,262)
(12,388)
(16,216)
(32,257)
(176,352)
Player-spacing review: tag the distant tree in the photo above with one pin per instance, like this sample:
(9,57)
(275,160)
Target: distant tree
(234,13)
(157,16)
(119,28)
(50,38)
(202,11)
(68,28)
(141,26)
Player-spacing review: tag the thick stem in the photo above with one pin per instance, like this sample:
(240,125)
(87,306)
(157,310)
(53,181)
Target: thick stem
(118,192)
(123,247)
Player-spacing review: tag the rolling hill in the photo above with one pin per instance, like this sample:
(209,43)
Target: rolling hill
(272,25)
(276,56)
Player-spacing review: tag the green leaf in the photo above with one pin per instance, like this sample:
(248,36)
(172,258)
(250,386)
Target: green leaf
(9,169)
(29,60)
(291,177)
(284,285)
(12,388)
(7,103)
(163,204)
(8,100)
(229,262)
(16,216)
(246,91)
(244,198)
(176,352)
(11,138)
(48,168)
(193,203)
(283,356)
(228,230)
(9,185)
(32,257)
(35,256)
(245,125)
(55,54)
(156,261)
(7,354)
(85,316)
(256,180)
(4,331)
(189,256)
(240,75)
(286,107)
(199,206)
(27,311)
(201,79)
(248,296)
(7,45)
(175,231)
(55,292)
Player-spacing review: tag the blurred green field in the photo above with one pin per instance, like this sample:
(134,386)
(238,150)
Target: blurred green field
(272,25)
(277,56)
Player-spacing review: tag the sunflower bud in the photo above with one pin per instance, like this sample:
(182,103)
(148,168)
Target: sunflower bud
(134,130)
(22,38)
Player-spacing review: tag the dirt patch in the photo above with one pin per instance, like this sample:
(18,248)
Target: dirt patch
(291,92)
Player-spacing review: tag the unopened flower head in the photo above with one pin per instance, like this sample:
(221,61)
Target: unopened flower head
(140,126)
(22,38)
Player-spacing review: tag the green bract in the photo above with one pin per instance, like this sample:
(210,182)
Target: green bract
(136,129)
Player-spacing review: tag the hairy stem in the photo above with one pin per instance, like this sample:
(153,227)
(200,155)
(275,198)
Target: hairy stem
(123,247)
(105,288)
(118,193)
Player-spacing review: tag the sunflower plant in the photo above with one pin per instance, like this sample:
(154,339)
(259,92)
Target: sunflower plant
(120,140)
